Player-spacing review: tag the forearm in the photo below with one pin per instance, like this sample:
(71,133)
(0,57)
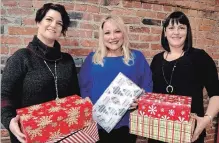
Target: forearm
(213,106)
(7,113)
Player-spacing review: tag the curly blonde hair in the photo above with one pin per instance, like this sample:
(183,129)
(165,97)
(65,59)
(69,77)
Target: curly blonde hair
(101,51)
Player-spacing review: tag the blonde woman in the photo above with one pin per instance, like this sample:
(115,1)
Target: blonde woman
(101,67)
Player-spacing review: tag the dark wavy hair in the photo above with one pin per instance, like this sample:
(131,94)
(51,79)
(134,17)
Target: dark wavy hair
(177,17)
(57,7)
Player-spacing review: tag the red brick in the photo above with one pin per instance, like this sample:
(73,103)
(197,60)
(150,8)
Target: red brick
(150,38)
(3,12)
(217,2)
(89,43)
(205,28)
(156,30)
(138,29)
(127,4)
(167,8)
(80,7)
(136,4)
(29,21)
(139,45)
(156,47)
(146,14)
(89,1)
(68,42)
(133,37)
(146,6)
(25,3)
(27,40)
(209,22)
(97,18)
(93,9)
(68,6)
(161,15)
(87,16)
(131,20)
(79,33)
(89,26)
(21,11)
(79,52)
(38,4)
(22,31)
(10,3)
(10,40)
(120,11)
(157,7)
(104,10)
(4,49)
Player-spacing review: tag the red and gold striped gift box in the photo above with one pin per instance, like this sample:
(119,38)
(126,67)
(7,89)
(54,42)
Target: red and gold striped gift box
(161,129)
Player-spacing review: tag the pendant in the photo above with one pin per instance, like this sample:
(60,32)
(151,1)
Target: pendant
(169,89)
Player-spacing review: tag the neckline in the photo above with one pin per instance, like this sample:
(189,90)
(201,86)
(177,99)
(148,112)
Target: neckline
(172,60)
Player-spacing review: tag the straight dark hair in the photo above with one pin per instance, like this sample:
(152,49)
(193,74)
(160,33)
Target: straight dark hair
(57,7)
(177,17)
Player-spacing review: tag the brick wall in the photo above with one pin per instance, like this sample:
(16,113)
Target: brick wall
(143,19)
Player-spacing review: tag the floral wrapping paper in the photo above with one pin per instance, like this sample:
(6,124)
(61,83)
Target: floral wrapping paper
(50,120)
(165,106)
(161,129)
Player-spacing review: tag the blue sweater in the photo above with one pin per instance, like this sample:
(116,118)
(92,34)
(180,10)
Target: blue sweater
(94,79)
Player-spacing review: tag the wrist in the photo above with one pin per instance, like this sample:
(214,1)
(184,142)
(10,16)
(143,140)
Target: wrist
(210,118)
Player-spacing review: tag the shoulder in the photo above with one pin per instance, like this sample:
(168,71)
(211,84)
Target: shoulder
(158,56)
(20,54)
(199,54)
(137,54)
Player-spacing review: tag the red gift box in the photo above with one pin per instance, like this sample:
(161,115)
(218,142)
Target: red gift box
(165,106)
(50,120)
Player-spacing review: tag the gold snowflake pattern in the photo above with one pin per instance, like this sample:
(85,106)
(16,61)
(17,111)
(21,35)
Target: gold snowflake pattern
(86,111)
(54,124)
(34,133)
(59,118)
(59,101)
(73,115)
(44,121)
(87,123)
(54,109)
(79,101)
(55,135)
(25,117)
(34,107)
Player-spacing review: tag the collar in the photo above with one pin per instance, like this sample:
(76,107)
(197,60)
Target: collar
(45,52)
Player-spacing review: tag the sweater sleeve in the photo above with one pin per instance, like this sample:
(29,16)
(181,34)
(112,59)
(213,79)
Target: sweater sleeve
(146,76)
(85,79)
(210,75)
(11,86)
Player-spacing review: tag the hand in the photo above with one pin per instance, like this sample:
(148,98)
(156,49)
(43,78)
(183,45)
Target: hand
(15,129)
(202,122)
(134,104)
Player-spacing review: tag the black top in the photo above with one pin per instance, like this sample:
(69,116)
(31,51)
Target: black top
(26,79)
(194,71)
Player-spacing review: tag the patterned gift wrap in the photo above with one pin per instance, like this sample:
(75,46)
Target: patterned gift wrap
(160,129)
(165,106)
(88,134)
(50,120)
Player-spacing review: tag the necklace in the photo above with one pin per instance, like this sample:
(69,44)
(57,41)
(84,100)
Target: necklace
(169,87)
(55,78)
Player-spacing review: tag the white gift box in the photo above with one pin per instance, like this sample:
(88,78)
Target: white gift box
(115,101)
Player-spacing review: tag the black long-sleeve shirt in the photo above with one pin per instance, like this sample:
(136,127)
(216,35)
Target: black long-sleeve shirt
(26,79)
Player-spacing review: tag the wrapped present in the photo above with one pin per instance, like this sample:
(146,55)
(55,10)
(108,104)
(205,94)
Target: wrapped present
(88,134)
(161,129)
(165,106)
(50,120)
(115,101)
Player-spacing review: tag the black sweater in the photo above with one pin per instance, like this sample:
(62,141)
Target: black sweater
(26,79)
(194,71)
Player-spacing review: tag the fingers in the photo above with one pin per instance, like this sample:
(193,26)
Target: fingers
(15,129)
